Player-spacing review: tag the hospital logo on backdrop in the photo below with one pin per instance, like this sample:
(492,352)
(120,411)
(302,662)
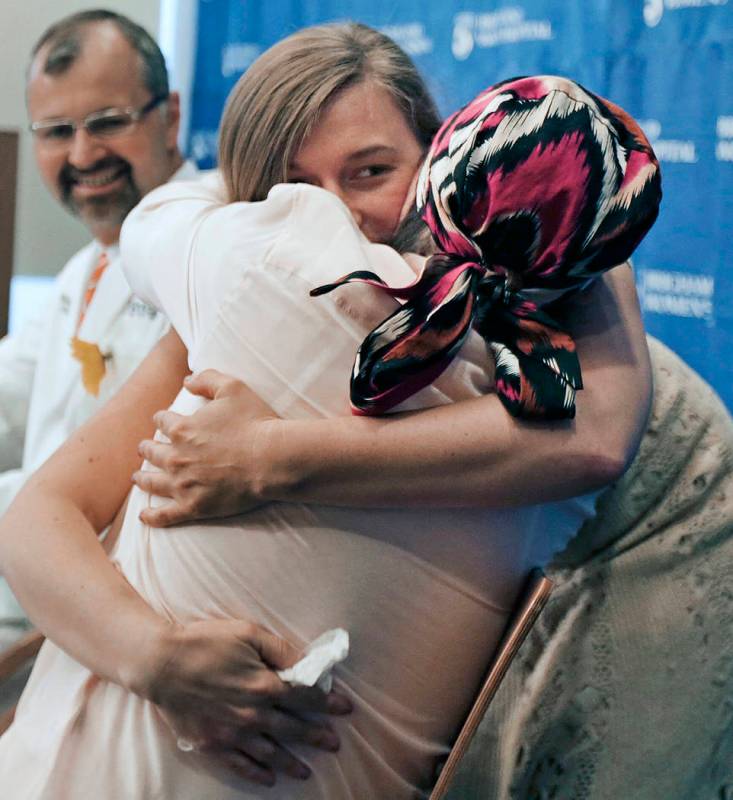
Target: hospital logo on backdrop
(203,147)
(411,37)
(677,151)
(237,56)
(677,294)
(491,29)
(724,144)
(654,9)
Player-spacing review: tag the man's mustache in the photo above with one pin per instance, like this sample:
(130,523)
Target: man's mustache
(71,175)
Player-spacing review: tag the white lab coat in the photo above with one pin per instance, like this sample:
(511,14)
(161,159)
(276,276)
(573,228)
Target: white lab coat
(42,399)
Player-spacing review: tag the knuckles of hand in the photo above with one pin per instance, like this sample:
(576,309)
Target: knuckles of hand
(188,483)
(264,687)
(250,718)
(247,632)
(228,386)
(178,429)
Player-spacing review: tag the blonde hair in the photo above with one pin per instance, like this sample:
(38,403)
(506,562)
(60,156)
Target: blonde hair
(276,103)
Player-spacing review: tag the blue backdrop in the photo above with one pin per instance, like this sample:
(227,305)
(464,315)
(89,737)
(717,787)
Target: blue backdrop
(668,62)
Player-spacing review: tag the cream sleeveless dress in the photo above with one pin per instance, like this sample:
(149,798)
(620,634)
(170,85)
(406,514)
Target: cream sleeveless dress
(424,594)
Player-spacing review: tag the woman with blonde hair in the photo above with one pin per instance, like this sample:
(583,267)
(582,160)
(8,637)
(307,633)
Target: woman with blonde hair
(220,269)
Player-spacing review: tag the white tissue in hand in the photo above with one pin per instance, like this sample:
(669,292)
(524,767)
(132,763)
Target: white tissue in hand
(314,669)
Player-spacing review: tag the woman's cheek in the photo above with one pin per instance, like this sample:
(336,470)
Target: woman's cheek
(386,215)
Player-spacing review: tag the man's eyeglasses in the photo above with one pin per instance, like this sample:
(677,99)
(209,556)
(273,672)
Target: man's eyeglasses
(105,124)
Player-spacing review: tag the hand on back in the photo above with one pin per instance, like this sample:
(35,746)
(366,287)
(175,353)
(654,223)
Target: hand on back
(218,691)
(210,467)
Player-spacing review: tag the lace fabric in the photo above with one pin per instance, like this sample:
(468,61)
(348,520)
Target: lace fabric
(624,688)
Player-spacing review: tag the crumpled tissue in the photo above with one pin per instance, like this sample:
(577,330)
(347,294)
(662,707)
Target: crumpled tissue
(321,655)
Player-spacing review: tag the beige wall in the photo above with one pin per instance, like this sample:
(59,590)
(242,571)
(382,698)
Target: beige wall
(45,235)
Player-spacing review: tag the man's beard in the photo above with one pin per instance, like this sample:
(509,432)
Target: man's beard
(108,210)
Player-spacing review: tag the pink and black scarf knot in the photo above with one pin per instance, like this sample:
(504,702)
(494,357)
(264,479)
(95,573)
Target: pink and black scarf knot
(530,191)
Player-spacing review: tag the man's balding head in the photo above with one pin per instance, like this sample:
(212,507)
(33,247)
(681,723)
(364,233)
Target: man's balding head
(62,44)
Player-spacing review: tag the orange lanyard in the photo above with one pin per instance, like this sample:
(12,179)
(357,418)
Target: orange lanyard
(88,354)
(94,278)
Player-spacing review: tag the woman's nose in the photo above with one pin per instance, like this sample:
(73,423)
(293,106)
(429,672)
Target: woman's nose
(355,213)
(335,187)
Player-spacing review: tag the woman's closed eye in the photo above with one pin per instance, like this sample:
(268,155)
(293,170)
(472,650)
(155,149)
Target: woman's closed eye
(366,176)
(371,172)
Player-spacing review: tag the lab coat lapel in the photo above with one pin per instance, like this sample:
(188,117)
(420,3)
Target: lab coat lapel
(111,296)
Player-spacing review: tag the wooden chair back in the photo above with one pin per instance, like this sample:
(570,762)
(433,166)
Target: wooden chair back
(532,601)
(14,659)
(8,176)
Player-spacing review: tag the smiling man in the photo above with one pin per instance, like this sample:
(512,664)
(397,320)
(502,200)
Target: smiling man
(104,127)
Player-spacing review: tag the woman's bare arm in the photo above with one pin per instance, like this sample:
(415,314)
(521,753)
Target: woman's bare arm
(468,454)
(213,678)
(48,539)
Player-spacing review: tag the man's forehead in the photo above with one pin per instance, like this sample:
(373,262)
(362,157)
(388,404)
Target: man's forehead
(102,75)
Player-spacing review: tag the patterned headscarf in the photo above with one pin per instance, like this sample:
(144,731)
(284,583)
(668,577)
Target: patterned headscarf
(531,190)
